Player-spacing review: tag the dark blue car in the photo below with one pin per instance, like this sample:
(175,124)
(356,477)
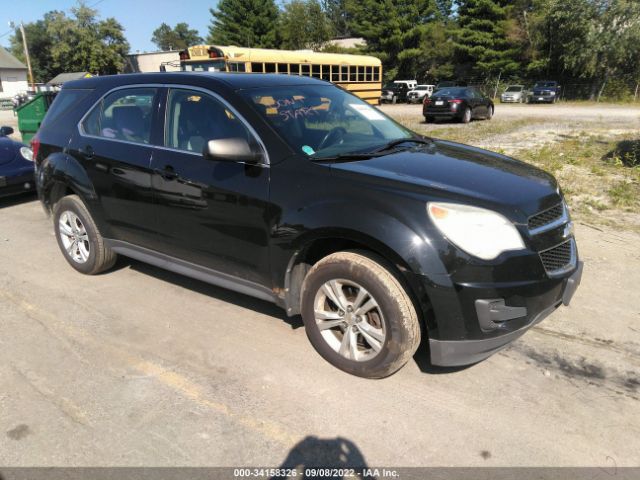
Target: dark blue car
(16,165)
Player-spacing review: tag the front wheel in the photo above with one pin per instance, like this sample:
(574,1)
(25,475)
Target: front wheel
(489,113)
(79,239)
(358,316)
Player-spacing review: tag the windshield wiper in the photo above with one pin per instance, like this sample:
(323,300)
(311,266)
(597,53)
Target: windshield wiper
(399,141)
(346,157)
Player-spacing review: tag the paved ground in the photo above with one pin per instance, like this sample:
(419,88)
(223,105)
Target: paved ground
(143,367)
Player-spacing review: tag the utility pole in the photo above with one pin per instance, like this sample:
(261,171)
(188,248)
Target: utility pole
(26,54)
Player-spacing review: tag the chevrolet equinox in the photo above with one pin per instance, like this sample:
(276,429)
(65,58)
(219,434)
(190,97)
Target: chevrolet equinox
(296,192)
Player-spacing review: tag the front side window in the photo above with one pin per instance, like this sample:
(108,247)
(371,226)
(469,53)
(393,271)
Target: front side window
(324,121)
(193,118)
(123,115)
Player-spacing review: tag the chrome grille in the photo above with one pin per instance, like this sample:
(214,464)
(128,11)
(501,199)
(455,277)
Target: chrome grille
(559,258)
(546,217)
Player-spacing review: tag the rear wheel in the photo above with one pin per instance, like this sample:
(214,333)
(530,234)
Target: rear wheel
(358,316)
(79,239)
(428,119)
(466,116)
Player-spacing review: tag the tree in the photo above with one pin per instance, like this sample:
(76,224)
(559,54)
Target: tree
(247,23)
(338,14)
(59,43)
(303,24)
(177,38)
(481,43)
(394,31)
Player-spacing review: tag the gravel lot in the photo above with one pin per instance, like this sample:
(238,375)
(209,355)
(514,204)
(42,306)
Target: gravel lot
(139,366)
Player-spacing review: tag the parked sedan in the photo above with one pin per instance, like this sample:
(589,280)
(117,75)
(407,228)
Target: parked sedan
(457,103)
(16,165)
(514,94)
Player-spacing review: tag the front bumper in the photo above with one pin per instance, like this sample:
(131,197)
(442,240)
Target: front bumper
(16,185)
(468,328)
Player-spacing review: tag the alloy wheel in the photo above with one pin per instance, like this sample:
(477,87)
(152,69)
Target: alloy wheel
(75,239)
(350,320)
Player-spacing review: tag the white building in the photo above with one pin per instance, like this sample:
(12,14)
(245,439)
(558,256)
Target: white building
(13,75)
(151,62)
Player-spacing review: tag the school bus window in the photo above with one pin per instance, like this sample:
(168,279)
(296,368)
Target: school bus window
(335,73)
(344,73)
(236,67)
(353,74)
(369,74)
(283,68)
(315,69)
(361,74)
(326,72)
(376,75)
(270,68)
(305,69)
(257,67)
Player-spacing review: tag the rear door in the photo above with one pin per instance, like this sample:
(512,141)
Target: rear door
(114,143)
(211,213)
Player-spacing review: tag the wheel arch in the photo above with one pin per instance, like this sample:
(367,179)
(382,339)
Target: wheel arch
(327,241)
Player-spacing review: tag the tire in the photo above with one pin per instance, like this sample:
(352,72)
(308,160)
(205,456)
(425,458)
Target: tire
(79,239)
(490,113)
(389,319)
(466,116)
(428,119)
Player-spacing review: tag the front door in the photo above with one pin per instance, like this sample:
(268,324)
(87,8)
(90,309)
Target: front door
(212,213)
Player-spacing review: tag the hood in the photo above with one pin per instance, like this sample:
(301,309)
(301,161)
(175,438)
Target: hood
(8,150)
(453,171)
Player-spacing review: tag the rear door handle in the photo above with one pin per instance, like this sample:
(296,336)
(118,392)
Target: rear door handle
(168,172)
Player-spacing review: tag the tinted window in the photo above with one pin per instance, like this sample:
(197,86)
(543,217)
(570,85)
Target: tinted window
(257,67)
(193,118)
(270,67)
(451,92)
(63,102)
(305,69)
(123,115)
(283,68)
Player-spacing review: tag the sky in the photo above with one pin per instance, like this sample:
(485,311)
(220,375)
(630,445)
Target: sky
(138,17)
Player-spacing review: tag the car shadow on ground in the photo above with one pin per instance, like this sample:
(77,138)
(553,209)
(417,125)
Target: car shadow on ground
(219,293)
(338,455)
(19,199)
(421,357)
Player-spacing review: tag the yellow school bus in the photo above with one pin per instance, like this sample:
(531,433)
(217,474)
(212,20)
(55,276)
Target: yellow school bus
(359,74)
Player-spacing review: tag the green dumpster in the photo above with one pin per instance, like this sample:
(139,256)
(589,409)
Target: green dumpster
(31,114)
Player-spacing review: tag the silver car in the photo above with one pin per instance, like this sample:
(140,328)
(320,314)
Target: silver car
(514,94)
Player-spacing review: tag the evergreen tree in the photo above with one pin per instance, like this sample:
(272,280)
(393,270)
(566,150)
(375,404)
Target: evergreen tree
(394,31)
(303,24)
(337,13)
(247,23)
(482,46)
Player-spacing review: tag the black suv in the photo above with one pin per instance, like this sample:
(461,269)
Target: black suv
(294,191)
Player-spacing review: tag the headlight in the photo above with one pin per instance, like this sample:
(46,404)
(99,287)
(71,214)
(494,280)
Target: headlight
(26,153)
(552,93)
(479,232)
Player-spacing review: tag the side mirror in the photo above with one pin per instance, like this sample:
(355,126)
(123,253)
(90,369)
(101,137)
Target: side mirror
(232,150)
(5,131)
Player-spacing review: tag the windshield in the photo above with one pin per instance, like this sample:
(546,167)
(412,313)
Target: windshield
(546,84)
(513,89)
(209,66)
(323,121)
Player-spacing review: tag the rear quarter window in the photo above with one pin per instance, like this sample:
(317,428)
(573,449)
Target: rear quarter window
(64,103)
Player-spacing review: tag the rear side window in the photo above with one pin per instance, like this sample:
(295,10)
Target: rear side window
(123,115)
(64,102)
